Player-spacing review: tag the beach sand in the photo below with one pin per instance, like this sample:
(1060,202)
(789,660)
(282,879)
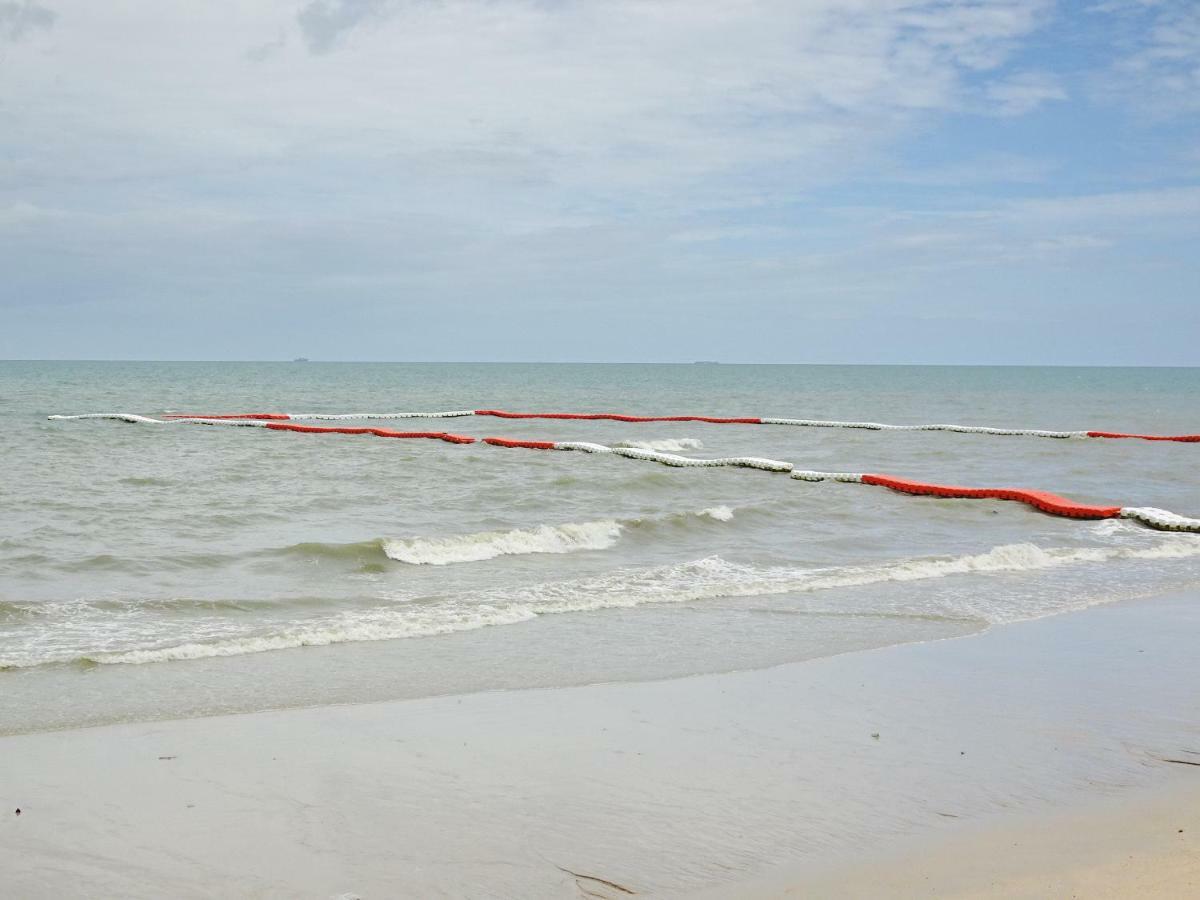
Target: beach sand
(1145,843)
(1033,760)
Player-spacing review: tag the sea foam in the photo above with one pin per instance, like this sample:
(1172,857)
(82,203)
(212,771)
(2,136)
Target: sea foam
(665,445)
(567,538)
(709,578)
(440,551)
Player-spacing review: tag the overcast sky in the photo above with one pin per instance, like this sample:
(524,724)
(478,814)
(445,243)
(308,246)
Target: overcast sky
(1015,181)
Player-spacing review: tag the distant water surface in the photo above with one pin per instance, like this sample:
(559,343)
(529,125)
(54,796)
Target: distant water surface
(149,572)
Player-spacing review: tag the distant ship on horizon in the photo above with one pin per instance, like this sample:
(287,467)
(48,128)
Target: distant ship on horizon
(706,362)
(300,359)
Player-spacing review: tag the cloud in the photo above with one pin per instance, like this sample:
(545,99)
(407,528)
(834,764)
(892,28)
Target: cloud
(589,106)
(266,49)
(478,175)
(1157,68)
(1155,205)
(1022,93)
(19,19)
(975,172)
(323,22)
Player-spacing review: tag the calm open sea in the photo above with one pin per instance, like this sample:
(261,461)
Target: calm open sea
(166,571)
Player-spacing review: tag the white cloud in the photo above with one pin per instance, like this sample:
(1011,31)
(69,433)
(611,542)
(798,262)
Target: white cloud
(603,104)
(367,168)
(1160,205)
(1157,68)
(1022,93)
(976,172)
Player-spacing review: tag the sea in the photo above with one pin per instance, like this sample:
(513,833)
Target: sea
(171,571)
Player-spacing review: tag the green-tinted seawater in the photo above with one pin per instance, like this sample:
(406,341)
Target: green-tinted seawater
(150,571)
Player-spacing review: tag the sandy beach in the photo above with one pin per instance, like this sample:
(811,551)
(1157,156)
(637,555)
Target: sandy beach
(1142,843)
(1048,758)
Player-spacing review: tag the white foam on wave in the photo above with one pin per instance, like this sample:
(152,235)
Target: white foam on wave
(1022,557)
(375,625)
(666,445)
(1114,528)
(703,579)
(568,538)
(714,577)
(1177,549)
(459,548)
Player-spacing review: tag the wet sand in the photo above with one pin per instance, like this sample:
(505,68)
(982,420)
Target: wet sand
(1140,843)
(899,770)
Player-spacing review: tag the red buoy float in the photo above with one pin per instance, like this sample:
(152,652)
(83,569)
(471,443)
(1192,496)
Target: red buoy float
(1043,500)
(378,432)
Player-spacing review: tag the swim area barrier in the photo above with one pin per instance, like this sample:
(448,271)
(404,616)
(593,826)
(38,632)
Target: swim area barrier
(1041,500)
(714,420)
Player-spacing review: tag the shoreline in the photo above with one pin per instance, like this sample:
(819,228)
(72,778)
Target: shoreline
(708,783)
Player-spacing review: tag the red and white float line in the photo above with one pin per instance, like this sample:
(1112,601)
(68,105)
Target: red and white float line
(269,422)
(717,420)
(1042,500)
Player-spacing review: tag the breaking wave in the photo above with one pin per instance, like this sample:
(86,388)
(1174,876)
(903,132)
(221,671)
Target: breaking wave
(459,548)
(703,579)
(477,546)
(666,445)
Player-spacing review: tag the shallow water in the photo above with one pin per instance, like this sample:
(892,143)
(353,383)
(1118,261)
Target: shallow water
(150,571)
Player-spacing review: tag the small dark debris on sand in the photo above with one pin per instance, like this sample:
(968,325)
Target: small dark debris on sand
(611,884)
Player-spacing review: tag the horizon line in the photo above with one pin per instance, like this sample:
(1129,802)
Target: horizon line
(706,363)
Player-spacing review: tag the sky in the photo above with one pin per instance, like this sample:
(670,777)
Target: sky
(782,181)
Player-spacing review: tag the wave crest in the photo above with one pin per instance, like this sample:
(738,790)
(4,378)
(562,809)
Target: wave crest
(709,578)
(459,548)
(483,545)
(666,445)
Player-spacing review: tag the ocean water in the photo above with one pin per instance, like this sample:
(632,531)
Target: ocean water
(166,571)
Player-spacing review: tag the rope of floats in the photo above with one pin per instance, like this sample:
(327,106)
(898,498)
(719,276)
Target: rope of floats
(1044,501)
(715,420)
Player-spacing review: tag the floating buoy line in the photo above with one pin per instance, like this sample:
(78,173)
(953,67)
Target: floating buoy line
(1044,501)
(715,420)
